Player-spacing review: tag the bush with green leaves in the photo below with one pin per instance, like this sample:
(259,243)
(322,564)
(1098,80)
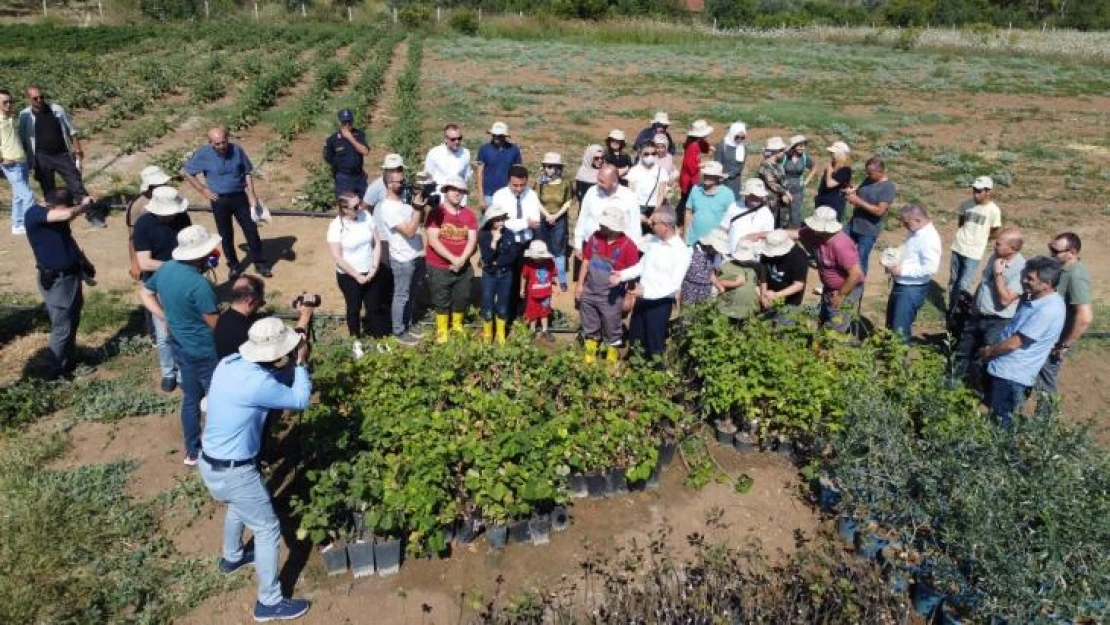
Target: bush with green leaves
(26,401)
(114,399)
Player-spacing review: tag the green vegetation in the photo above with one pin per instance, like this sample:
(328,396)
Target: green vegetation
(404,136)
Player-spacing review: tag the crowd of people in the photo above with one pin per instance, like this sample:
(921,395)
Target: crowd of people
(635,236)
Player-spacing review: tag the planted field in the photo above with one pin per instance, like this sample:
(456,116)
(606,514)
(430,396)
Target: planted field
(418,450)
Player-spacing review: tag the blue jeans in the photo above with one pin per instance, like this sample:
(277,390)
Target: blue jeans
(166,363)
(839,319)
(196,375)
(864,243)
(650,324)
(406,278)
(961,277)
(561,268)
(22,196)
(248,505)
(901,309)
(497,290)
(1007,399)
(978,331)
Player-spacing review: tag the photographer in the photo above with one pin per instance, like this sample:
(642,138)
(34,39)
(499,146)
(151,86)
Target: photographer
(245,387)
(61,268)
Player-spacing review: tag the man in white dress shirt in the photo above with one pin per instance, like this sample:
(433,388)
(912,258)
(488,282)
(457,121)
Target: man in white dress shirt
(912,270)
(524,209)
(449,158)
(608,190)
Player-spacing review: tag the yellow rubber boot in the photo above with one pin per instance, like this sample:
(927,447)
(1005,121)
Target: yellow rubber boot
(487,331)
(612,354)
(501,331)
(457,322)
(591,352)
(441,328)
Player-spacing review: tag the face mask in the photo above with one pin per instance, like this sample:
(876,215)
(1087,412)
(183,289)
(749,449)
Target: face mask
(648,160)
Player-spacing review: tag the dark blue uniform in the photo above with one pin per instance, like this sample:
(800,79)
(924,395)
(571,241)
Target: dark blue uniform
(346,163)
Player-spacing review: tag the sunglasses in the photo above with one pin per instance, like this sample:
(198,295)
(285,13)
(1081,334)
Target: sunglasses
(1056,251)
(453,139)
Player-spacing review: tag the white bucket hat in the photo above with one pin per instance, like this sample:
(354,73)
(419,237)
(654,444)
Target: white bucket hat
(775,144)
(796,139)
(552,158)
(839,147)
(744,252)
(165,201)
(983,182)
(660,139)
(494,212)
(713,168)
(777,243)
(454,182)
(700,128)
(423,178)
(823,220)
(537,249)
(755,186)
(268,340)
(661,118)
(194,242)
(717,240)
(499,128)
(393,161)
(612,217)
(616,135)
(152,176)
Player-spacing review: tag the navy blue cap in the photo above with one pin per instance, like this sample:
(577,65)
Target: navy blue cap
(346,116)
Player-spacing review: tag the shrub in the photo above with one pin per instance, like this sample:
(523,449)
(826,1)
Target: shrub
(465,21)
(416,15)
(26,401)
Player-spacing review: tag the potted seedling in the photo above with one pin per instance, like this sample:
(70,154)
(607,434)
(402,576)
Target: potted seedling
(335,556)
(360,550)
(726,431)
(386,528)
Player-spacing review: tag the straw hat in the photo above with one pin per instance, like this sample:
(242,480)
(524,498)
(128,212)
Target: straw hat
(616,134)
(612,217)
(797,139)
(777,244)
(775,144)
(454,182)
(152,176)
(755,186)
(494,212)
(717,240)
(839,147)
(499,129)
(713,169)
(268,340)
(537,249)
(823,220)
(194,242)
(165,201)
(661,118)
(393,161)
(552,158)
(700,128)
(744,252)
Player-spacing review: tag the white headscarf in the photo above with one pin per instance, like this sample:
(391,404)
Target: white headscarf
(741,147)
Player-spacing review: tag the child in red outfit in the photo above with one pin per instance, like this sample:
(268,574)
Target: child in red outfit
(536,280)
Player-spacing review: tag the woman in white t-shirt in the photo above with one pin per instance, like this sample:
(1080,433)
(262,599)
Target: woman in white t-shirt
(648,182)
(356,249)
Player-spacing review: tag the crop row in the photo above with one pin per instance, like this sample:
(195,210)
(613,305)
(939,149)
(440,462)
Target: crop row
(405,135)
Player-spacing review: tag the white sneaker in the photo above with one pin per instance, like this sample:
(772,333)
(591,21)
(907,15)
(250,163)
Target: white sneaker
(356,350)
(19,231)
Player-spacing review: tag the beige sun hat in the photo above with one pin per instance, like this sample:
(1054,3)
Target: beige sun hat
(839,147)
(983,182)
(796,139)
(552,158)
(499,128)
(700,128)
(194,242)
(755,186)
(774,144)
(152,176)
(165,201)
(393,161)
(661,118)
(824,220)
(616,134)
(717,240)
(777,243)
(660,139)
(454,182)
(713,169)
(745,252)
(612,217)
(537,249)
(268,340)
(494,212)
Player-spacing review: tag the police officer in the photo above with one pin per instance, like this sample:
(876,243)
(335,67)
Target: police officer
(343,152)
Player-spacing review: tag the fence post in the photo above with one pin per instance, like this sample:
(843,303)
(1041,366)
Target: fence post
(256,11)
(714,24)
(350,14)
(479,15)
(207,11)
(44,12)
(394,15)
(438,15)
(100,8)
(304,12)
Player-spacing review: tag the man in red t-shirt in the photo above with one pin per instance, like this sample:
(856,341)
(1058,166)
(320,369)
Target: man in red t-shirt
(838,266)
(600,306)
(452,234)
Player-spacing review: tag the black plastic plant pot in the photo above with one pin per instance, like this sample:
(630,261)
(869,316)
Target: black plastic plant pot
(576,485)
(466,530)
(743,443)
(335,558)
(726,433)
(560,520)
(498,536)
(847,528)
(361,555)
(666,452)
(653,479)
(540,529)
(519,533)
(785,448)
(387,555)
(617,481)
(597,485)
(926,599)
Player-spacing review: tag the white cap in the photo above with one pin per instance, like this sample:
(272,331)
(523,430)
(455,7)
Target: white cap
(661,118)
(499,128)
(775,144)
(983,182)
(393,161)
(616,134)
(712,168)
(454,182)
(700,128)
(537,249)
(755,186)
(552,158)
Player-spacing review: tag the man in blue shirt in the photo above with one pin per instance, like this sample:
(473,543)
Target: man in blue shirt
(227,182)
(180,294)
(494,160)
(343,152)
(1015,361)
(61,267)
(245,388)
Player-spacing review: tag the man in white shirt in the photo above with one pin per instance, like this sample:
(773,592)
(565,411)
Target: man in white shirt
(980,220)
(660,270)
(449,158)
(524,209)
(608,190)
(913,271)
(750,218)
(401,223)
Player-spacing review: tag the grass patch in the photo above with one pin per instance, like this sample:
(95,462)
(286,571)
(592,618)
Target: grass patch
(109,310)
(115,399)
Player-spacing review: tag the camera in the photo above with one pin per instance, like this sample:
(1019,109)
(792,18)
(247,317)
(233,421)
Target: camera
(308,300)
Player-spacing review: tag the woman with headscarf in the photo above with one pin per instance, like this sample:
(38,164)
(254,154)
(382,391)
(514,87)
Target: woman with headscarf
(555,195)
(796,164)
(592,160)
(774,178)
(696,145)
(731,152)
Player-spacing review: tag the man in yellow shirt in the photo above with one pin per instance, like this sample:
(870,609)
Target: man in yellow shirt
(13,161)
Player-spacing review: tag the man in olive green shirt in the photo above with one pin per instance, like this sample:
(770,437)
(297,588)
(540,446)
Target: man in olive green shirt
(1075,288)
